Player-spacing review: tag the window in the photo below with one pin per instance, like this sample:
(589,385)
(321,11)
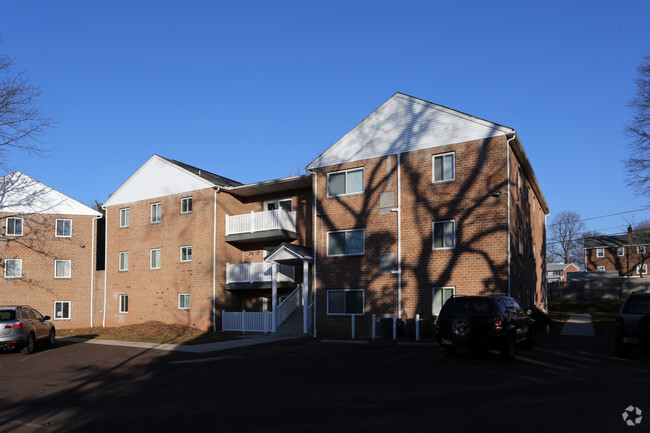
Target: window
(643,269)
(600,269)
(124,261)
(124,303)
(63,228)
(346,242)
(444,167)
(155,259)
(184,301)
(345,302)
(640,249)
(444,234)
(186,205)
(156,214)
(286,204)
(600,252)
(186,254)
(124,217)
(62,268)
(620,251)
(345,182)
(14,226)
(61,310)
(13,268)
(440,296)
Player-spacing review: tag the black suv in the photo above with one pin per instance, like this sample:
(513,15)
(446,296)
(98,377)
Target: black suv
(484,322)
(633,324)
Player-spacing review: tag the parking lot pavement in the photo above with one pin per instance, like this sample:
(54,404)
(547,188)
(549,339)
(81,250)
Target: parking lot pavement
(566,384)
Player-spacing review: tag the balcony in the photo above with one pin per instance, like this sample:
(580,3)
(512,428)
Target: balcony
(257,276)
(272,226)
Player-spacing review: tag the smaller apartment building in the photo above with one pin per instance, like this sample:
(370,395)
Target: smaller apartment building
(627,254)
(47,251)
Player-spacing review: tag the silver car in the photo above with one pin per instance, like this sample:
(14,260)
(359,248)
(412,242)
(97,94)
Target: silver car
(21,327)
(633,324)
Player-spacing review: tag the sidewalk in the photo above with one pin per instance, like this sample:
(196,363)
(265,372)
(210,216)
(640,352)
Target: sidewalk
(244,341)
(579,325)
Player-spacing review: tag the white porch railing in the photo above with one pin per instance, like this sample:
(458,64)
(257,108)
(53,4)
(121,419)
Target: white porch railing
(278,219)
(247,322)
(255,272)
(288,306)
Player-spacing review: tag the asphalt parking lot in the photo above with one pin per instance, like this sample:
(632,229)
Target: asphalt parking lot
(566,384)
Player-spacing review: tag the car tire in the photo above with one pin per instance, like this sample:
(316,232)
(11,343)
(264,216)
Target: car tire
(30,345)
(462,328)
(447,351)
(644,330)
(531,338)
(51,340)
(508,349)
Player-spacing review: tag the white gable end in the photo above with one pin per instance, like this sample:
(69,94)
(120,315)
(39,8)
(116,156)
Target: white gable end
(156,178)
(405,124)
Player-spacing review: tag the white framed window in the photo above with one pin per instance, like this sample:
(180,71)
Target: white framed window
(124,261)
(62,310)
(156,213)
(183,301)
(286,204)
(124,217)
(14,226)
(63,228)
(600,269)
(186,205)
(345,182)
(186,253)
(620,251)
(345,302)
(641,249)
(13,268)
(62,268)
(600,252)
(440,296)
(346,242)
(444,235)
(642,269)
(124,303)
(155,258)
(444,167)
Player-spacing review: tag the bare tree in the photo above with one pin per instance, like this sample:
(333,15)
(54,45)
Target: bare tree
(639,237)
(21,120)
(565,238)
(638,164)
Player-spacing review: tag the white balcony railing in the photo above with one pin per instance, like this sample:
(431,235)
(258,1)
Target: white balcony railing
(278,219)
(255,272)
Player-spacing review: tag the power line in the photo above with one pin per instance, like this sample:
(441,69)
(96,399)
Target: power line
(605,216)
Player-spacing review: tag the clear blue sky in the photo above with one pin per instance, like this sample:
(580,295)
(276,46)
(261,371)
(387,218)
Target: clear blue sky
(256,90)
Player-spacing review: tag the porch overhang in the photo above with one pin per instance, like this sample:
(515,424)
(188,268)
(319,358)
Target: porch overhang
(289,254)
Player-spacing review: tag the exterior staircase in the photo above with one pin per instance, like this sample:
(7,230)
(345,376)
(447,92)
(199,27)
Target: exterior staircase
(293,323)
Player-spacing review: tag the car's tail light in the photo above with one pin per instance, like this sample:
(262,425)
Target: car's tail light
(498,326)
(15,325)
(619,322)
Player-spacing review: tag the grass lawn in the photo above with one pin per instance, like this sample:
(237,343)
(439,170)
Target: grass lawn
(603,312)
(151,332)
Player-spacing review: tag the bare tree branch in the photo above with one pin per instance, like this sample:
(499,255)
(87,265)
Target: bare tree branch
(637,165)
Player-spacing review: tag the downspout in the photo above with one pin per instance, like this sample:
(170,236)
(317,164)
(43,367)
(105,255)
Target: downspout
(315,189)
(399,235)
(514,135)
(214,264)
(92,271)
(105,266)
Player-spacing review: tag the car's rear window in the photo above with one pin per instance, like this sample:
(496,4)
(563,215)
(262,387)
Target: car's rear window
(469,306)
(7,315)
(637,305)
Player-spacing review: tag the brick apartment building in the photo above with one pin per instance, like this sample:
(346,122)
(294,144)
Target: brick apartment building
(47,251)
(627,254)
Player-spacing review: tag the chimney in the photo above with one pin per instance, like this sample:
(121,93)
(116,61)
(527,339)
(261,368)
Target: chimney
(629,235)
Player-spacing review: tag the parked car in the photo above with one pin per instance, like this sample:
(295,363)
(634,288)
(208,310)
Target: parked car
(484,322)
(21,327)
(633,324)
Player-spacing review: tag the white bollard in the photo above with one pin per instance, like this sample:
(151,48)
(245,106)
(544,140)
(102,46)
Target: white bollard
(374,326)
(394,327)
(417,327)
(353,325)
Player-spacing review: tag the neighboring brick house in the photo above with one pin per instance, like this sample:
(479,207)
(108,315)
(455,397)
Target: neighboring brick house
(627,254)
(47,251)
(419,202)
(557,272)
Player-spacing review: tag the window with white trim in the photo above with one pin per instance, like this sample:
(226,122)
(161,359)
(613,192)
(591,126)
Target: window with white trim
(63,228)
(124,261)
(62,268)
(14,226)
(124,217)
(286,204)
(444,234)
(641,249)
(600,269)
(600,252)
(13,268)
(186,205)
(345,302)
(642,269)
(124,303)
(440,296)
(156,212)
(346,242)
(444,167)
(186,253)
(62,310)
(620,251)
(184,301)
(155,258)
(345,182)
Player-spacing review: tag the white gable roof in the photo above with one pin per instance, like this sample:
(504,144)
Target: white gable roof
(158,177)
(20,194)
(405,124)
